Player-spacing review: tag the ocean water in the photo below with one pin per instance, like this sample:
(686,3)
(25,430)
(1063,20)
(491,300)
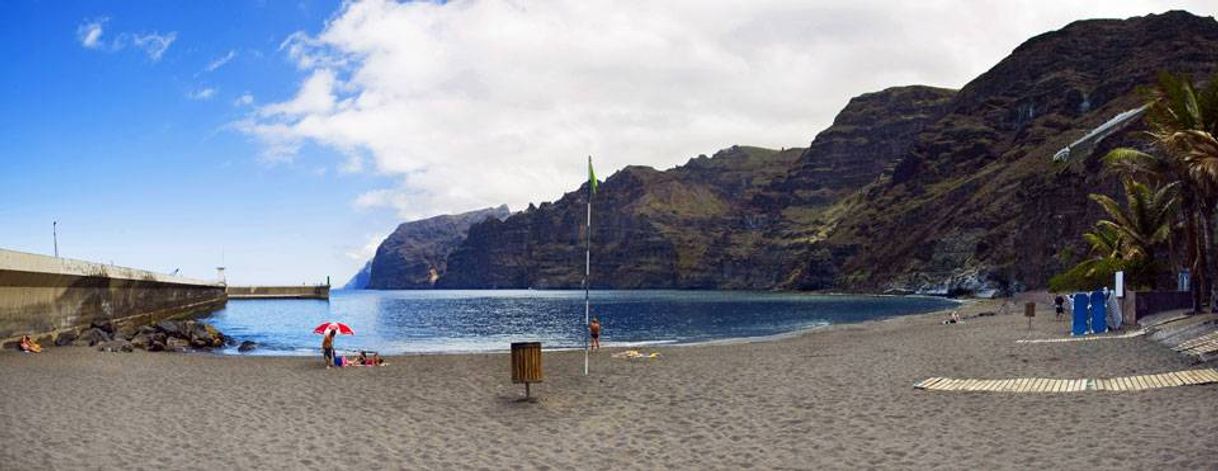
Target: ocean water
(397,322)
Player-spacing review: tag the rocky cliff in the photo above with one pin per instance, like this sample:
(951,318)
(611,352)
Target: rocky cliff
(976,204)
(911,189)
(735,220)
(416,254)
(361,278)
(651,228)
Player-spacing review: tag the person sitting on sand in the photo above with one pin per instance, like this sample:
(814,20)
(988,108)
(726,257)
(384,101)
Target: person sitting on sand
(327,347)
(953,318)
(28,345)
(362,359)
(376,360)
(594,330)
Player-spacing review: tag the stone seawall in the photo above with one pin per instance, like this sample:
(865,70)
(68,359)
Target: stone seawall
(43,295)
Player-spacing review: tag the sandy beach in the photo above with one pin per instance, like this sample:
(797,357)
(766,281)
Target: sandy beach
(835,398)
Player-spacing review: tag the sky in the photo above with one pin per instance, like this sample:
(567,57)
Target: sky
(285,140)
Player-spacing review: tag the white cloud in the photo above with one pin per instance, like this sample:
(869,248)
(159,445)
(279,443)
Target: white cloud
(316,97)
(205,93)
(383,198)
(154,44)
(245,99)
(365,252)
(220,61)
(477,103)
(89,33)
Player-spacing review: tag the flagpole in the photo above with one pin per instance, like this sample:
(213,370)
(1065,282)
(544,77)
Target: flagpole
(587,272)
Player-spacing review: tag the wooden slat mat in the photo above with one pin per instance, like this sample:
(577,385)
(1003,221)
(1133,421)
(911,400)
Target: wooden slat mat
(1047,385)
(1207,343)
(1085,338)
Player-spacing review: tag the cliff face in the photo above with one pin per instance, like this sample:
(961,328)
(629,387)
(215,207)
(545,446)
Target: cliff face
(867,138)
(911,188)
(416,254)
(734,220)
(976,204)
(361,278)
(651,229)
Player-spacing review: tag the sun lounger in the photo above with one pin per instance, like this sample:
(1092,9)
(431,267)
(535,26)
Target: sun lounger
(1079,315)
(1099,312)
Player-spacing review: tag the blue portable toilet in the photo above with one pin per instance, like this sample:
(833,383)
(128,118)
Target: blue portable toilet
(1099,313)
(1080,314)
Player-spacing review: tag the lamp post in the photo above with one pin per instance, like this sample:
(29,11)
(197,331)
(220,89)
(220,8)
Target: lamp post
(55,236)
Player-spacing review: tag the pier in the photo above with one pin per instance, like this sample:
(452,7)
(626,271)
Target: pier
(279,292)
(42,295)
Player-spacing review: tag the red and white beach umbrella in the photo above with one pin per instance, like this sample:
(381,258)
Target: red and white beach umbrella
(339,326)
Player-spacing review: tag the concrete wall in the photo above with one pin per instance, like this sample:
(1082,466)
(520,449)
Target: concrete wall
(1152,302)
(43,295)
(272,292)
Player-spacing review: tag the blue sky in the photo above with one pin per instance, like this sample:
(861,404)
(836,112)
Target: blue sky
(111,144)
(285,139)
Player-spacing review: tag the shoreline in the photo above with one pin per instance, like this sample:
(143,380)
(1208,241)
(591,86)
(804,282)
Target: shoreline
(231,351)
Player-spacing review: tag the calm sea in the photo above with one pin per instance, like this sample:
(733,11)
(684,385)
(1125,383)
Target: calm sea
(395,322)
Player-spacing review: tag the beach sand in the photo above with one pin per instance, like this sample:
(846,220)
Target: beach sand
(836,398)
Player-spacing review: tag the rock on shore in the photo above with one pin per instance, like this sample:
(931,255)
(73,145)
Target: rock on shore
(167,335)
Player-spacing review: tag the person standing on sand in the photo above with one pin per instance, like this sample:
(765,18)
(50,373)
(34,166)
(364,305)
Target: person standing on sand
(327,347)
(1059,305)
(594,330)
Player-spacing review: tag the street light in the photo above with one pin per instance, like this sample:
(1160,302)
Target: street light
(55,236)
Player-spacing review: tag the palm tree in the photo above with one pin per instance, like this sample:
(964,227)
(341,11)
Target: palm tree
(1142,229)
(1128,240)
(1168,170)
(1201,158)
(1176,115)
(1105,259)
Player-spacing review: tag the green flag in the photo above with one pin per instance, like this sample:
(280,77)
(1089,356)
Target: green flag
(591,177)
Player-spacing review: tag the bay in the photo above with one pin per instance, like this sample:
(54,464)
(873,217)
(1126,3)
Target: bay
(401,322)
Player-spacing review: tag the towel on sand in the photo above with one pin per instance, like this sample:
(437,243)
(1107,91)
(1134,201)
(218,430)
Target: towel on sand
(634,354)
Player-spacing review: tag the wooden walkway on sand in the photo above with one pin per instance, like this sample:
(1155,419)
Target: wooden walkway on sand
(1084,338)
(1199,346)
(1046,385)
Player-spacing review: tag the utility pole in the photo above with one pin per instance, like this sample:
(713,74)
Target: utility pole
(55,236)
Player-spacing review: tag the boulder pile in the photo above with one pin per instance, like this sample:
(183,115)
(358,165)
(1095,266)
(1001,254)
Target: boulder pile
(163,336)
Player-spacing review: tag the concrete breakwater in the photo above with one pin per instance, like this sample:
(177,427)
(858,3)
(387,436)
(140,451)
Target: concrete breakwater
(42,296)
(279,292)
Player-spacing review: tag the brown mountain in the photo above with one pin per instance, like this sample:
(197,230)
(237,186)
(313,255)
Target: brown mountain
(715,222)
(911,188)
(416,254)
(976,204)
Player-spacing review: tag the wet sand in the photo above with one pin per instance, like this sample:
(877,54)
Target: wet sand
(834,398)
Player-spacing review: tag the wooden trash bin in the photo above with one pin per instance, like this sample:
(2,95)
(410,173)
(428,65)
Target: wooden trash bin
(526,364)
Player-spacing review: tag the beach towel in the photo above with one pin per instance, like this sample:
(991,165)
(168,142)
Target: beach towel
(1079,316)
(1099,316)
(635,354)
(1115,317)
